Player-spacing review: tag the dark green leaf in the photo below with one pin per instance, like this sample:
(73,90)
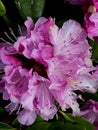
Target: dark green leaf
(60,125)
(15,122)
(2,9)
(24,7)
(78,120)
(39,126)
(4,126)
(69,122)
(92,96)
(84,123)
(94,45)
(39,119)
(37,8)
(32,8)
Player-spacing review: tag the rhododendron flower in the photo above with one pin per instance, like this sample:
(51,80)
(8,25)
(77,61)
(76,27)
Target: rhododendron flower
(39,93)
(44,68)
(65,39)
(17,79)
(30,45)
(90,112)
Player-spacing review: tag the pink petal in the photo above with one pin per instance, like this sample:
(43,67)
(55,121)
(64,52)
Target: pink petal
(26,117)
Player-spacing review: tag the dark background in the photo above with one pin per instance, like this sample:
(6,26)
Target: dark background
(53,8)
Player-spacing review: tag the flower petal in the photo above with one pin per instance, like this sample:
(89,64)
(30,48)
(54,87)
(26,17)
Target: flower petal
(26,117)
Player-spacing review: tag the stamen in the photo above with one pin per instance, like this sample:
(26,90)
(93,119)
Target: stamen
(5,41)
(19,109)
(9,37)
(20,31)
(80,97)
(11,31)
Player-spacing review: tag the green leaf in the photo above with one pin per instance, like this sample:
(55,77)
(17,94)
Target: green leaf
(92,96)
(94,45)
(61,125)
(4,126)
(32,8)
(69,122)
(15,122)
(86,125)
(40,126)
(38,119)
(58,125)
(24,7)
(37,8)
(67,117)
(2,9)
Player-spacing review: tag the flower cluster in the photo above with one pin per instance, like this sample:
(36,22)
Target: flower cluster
(44,68)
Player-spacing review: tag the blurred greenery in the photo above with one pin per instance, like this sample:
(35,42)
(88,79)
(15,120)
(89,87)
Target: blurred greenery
(2,9)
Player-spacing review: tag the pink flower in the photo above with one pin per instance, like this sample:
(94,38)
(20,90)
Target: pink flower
(66,40)
(61,68)
(41,96)
(90,112)
(44,67)
(7,58)
(16,82)
(29,26)
(39,37)
(95,3)
(65,96)
(84,82)
(69,69)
